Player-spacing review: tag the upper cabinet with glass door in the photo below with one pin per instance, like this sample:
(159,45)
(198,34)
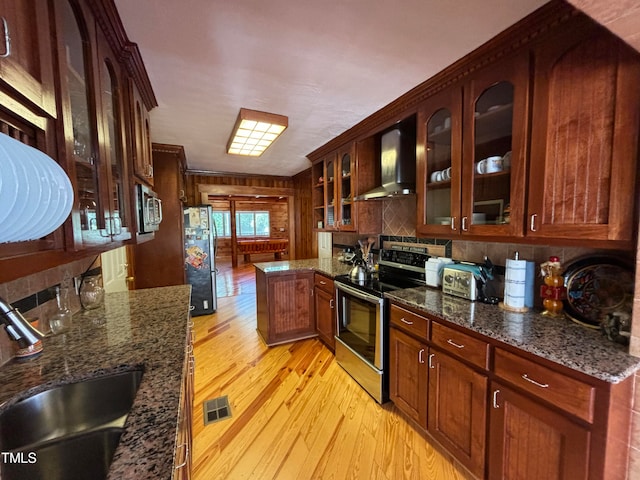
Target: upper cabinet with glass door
(439,163)
(346,165)
(494,151)
(93,127)
(471,164)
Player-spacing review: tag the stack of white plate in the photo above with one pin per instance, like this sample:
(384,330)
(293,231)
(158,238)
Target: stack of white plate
(35,192)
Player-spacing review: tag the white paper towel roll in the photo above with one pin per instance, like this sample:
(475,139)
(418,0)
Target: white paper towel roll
(515,283)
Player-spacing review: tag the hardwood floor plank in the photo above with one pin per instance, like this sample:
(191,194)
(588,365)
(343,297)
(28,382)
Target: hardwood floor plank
(296,414)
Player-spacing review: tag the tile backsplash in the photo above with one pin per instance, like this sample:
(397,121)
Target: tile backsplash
(34,296)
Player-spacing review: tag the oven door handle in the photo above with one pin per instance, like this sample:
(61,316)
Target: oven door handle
(357,293)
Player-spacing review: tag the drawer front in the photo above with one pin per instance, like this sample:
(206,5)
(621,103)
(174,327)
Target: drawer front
(460,344)
(410,322)
(325,283)
(567,393)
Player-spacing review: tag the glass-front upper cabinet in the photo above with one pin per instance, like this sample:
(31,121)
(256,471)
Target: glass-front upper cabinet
(347,176)
(77,78)
(91,84)
(117,224)
(330,192)
(438,163)
(494,150)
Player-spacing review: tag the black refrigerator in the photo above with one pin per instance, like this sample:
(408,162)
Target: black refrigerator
(200,258)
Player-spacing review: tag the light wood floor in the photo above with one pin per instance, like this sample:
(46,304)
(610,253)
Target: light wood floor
(295,413)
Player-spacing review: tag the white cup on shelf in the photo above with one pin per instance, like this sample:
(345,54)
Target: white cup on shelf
(446,174)
(481,167)
(494,164)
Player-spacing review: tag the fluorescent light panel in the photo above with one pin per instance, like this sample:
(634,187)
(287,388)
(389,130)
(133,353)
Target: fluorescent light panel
(254,131)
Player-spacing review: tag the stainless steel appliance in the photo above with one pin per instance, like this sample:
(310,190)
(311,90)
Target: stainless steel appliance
(362,336)
(200,246)
(461,283)
(148,208)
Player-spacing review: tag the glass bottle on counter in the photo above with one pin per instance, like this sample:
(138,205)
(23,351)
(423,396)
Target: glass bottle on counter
(61,319)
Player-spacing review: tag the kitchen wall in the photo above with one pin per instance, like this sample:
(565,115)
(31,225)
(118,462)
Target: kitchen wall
(33,295)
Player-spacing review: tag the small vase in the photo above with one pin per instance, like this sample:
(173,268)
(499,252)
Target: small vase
(91,293)
(61,319)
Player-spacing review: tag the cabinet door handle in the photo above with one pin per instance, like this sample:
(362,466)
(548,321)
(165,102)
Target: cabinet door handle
(186,455)
(457,345)
(331,304)
(420,359)
(464,224)
(495,399)
(406,321)
(431,360)
(453,223)
(7,39)
(322,282)
(530,380)
(532,224)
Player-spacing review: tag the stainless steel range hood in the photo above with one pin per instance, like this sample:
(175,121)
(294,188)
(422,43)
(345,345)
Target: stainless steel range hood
(397,168)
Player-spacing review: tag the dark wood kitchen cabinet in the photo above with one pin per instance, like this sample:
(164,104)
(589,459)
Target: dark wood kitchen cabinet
(460,130)
(336,180)
(584,139)
(184,439)
(408,375)
(285,307)
(91,90)
(325,310)
(64,90)
(528,440)
(141,134)
(26,62)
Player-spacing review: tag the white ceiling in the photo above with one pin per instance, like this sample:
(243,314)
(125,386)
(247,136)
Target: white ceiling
(325,64)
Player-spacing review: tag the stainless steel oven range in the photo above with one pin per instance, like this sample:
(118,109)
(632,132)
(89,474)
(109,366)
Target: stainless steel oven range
(362,336)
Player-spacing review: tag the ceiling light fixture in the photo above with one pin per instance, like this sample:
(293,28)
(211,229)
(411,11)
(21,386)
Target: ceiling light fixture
(254,131)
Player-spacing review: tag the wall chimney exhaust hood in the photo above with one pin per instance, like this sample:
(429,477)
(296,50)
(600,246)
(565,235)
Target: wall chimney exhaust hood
(397,165)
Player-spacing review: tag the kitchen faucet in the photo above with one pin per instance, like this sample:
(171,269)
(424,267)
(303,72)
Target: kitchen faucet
(18,328)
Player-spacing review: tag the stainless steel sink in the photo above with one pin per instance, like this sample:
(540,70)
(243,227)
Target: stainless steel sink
(68,409)
(85,456)
(71,431)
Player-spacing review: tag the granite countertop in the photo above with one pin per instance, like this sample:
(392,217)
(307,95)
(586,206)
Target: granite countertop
(327,266)
(137,329)
(559,340)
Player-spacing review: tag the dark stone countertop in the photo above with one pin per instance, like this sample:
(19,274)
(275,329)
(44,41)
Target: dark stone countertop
(559,340)
(140,328)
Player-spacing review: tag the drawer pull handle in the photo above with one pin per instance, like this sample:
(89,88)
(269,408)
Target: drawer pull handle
(186,455)
(495,399)
(322,282)
(541,385)
(420,359)
(457,345)
(406,321)
(431,360)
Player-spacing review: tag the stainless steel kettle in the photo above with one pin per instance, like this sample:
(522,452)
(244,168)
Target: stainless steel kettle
(359,273)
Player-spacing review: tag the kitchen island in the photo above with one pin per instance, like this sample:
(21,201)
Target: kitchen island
(140,329)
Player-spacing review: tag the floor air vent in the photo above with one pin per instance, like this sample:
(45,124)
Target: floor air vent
(216,409)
